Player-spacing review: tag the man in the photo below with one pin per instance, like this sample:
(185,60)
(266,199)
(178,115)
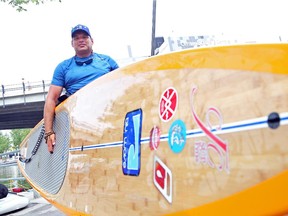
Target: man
(73,74)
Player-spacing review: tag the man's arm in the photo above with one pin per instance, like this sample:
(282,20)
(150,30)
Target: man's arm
(49,112)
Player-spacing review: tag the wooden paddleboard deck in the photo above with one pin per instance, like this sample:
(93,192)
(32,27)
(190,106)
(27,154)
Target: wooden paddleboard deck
(201,131)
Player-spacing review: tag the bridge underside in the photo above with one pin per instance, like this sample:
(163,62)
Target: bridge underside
(20,116)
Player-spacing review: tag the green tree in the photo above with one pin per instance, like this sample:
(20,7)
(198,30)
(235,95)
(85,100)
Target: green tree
(19,4)
(4,142)
(17,136)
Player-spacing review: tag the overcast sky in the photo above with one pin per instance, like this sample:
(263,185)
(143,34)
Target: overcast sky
(34,42)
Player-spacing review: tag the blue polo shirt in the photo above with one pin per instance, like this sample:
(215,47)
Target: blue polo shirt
(72,76)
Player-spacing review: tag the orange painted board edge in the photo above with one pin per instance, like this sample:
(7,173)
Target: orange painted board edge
(267,198)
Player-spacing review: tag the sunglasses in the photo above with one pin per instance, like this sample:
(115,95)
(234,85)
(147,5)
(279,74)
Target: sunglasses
(87,62)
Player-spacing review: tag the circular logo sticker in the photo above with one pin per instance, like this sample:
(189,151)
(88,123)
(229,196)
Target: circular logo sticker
(177,136)
(154,138)
(168,104)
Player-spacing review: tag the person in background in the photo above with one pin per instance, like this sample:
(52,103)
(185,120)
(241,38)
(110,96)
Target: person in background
(72,74)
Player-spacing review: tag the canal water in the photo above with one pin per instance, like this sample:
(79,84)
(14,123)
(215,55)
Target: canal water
(9,172)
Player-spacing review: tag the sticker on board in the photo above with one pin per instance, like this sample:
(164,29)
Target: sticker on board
(162,178)
(131,149)
(177,136)
(154,138)
(168,104)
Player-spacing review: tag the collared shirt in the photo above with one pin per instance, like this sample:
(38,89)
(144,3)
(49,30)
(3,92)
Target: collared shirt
(71,76)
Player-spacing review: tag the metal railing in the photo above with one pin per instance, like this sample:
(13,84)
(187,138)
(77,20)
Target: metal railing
(14,153)
(12,179)
(5,158)
(24,89)
(12,163)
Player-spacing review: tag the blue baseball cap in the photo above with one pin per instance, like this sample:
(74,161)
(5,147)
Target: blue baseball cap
(80,28)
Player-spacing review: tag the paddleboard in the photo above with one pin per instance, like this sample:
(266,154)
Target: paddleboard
(200,131)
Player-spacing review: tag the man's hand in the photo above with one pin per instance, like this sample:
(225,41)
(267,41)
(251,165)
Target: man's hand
(50,141)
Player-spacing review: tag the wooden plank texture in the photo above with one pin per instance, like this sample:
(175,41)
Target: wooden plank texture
(218,118)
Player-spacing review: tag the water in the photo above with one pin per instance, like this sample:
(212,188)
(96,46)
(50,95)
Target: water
(12,172)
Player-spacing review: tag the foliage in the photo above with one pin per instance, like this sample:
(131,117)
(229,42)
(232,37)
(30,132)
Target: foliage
(18,4)
(4,142)
(17,136)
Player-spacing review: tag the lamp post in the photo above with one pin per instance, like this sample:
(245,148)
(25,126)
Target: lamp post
(43,85)
(3,98)
(153,41)
(23,85)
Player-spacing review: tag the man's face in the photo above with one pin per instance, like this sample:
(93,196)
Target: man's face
(82,43)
